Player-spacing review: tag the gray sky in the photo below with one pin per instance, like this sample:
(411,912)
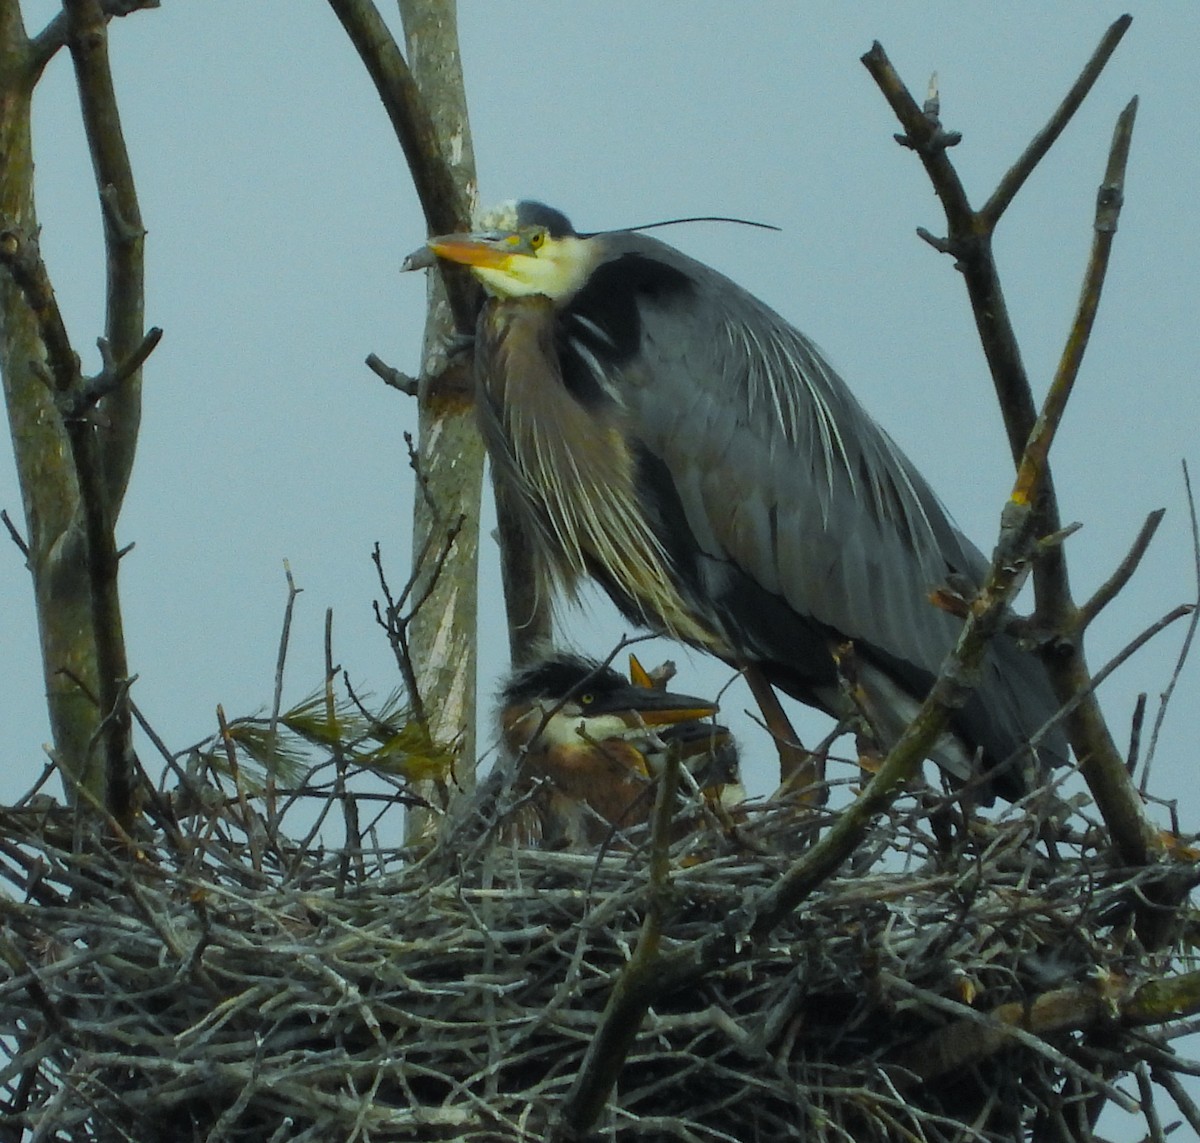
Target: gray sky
(279,208)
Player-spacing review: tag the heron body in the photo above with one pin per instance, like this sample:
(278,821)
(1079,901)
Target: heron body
(660,429)
(590,746)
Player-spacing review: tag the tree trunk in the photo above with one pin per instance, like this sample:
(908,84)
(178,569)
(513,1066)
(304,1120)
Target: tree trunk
(449,450)
(73,452)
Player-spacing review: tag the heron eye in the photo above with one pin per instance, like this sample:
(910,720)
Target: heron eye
(536,239)
(587,699)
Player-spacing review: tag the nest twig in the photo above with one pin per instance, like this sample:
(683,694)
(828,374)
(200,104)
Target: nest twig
(178,992)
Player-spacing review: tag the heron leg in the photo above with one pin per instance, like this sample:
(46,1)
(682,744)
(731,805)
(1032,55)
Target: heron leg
(799,769)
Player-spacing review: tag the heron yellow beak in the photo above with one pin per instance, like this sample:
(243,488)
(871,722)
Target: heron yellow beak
(662,708)
(659,707)
(670,717)
(472,250)
(513,263)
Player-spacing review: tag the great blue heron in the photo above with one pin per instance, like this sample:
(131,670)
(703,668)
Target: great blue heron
(661,429)
(590,745)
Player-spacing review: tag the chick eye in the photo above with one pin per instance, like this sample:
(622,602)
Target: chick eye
(536,239)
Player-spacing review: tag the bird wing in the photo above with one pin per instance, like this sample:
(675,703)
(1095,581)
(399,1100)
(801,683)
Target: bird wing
(784,477)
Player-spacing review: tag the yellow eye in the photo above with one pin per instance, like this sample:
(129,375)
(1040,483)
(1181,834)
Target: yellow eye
(589,698)
(536,239)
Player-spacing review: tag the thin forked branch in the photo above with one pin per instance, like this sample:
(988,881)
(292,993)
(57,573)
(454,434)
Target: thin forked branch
(124,242)
(1122,574)
(1109,201)
(1014,178)
(970,241)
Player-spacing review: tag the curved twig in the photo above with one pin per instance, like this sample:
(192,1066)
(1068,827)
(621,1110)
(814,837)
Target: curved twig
(446,207)
(1186,647)
(1109,589)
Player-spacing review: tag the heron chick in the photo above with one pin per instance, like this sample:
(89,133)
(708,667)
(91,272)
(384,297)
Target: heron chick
(658,428)
(590,745)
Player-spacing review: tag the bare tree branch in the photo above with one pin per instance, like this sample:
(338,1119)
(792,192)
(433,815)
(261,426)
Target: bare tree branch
(444,198)
(1109,589)
(1103,767)
(1016,175)
(36,360)
(97,555)
(1108,208)
(14,534)
(74,467)
(450,448)
(124,239)
(54,35)
(978,1035)
(970,245)
(1176,1090)
(410,386)
(19,254)
(1186,646)
(970,240)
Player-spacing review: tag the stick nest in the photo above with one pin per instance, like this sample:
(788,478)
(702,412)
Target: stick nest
(210,980)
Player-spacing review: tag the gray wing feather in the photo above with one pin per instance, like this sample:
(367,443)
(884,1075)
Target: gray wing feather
(782,472)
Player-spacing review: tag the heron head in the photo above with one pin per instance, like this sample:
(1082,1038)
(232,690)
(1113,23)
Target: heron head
(522,249)
(590,745)
(572,700)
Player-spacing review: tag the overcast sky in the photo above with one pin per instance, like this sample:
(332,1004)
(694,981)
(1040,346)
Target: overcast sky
(279,208)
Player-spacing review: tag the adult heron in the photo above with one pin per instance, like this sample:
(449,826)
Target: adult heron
(658,428)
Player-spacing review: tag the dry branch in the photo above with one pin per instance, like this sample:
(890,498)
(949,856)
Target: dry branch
(74,461)
(969,239)
(55,34)
(124,239)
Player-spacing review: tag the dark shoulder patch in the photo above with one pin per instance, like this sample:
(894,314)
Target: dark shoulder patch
(610,298)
